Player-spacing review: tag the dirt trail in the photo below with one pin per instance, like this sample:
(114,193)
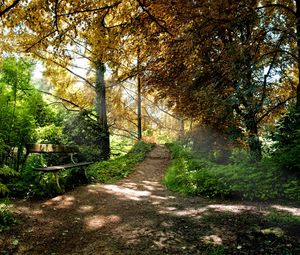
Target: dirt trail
(134,216)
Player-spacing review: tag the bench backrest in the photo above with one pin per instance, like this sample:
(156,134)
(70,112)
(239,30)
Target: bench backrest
(51,148)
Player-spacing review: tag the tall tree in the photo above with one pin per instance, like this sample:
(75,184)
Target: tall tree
(101,111)
(139,98)
(221,65)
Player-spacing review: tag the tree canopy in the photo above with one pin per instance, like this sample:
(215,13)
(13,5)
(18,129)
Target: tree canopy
(230,65)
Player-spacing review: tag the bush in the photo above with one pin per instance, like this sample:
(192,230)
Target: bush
(42,185)
(32,183)
(288,159)
(6,217)
(5,173)
(263,181)
(115,169)
(286,140)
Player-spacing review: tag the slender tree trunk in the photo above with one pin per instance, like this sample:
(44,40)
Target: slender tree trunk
(181,128)
(104,139)
(253,138)
(191,124)
(298,49)
(139,99)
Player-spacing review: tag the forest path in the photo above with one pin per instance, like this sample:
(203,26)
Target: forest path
(136,215)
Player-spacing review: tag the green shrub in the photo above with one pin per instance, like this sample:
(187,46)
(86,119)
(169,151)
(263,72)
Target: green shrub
(120,167)
(239,156)
(177,177)
(5,173)
(88,153)
(6,217)
(263,181)
(288,159)
(210,186)
(178,151)
(36,184)
(282,218)
(286,140)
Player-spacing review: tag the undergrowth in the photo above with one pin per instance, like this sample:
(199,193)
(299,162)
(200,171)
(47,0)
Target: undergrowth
(34,184)
(6,217)
(120,167)
(238,179)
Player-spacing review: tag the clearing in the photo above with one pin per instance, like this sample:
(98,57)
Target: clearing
(139,216)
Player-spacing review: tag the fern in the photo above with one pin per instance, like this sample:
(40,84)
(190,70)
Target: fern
(8,172)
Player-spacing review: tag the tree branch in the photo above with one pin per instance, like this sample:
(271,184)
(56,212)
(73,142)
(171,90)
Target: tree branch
(277,5)
(8,8)
(40,40)
(153,18)
(268,74)
(278,51)
(62,99)
(147,99)
(66,68)
(273,108)
(61,103)
(127,131)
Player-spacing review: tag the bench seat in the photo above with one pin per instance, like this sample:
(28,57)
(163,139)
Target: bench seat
(52,149)
(61,167)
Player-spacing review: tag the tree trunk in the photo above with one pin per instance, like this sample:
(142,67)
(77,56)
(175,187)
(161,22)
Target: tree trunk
(139,99)
(298,51)
(104,143)
(253,138)
(181,128)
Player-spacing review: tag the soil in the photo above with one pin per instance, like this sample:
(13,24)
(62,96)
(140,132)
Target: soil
(139,216)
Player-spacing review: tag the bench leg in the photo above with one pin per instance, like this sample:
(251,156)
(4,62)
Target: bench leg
(57,182)
(83,168)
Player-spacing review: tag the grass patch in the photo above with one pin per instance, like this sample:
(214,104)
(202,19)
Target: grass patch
(283,218)
(120,167)
(239,179)
(219,250)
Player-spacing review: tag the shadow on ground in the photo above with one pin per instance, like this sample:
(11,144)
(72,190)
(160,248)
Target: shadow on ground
(138,216)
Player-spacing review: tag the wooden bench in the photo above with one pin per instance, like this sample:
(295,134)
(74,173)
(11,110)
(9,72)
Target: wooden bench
(53,148)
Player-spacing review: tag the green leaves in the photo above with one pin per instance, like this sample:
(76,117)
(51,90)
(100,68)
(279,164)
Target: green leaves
(5,173)
(240,179)
(115,169)
(6,217)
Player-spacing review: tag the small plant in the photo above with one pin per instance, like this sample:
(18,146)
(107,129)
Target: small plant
(6,217)
(283,218)
(219,250)
(5,173)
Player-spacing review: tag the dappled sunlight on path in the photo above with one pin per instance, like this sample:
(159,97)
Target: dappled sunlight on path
(134,216)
